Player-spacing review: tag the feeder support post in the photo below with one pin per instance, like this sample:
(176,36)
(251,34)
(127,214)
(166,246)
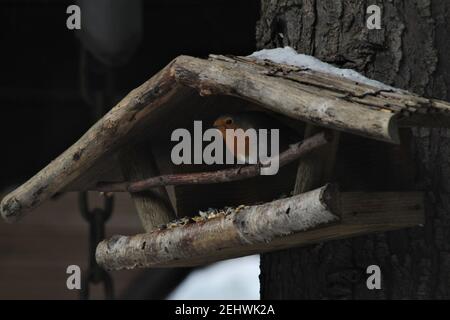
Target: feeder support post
(316,168)
(153,206)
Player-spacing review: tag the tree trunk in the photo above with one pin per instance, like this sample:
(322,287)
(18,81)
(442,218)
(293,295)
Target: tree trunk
(410,52)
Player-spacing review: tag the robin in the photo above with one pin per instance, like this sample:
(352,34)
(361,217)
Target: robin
(250,120)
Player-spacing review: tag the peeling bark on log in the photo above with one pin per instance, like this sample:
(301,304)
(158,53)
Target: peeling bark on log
(321,214)
(254,224)
(311,96)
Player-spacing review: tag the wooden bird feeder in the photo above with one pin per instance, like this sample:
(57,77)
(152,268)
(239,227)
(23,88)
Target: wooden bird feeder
(129,150)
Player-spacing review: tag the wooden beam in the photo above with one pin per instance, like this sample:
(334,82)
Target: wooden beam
(316,168)
(315,216)
(153,206)
(305,102)
(103,139)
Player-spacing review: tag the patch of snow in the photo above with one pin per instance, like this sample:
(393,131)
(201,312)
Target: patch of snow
(235,279)
(288,55)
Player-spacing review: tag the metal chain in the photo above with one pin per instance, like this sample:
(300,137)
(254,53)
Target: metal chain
(98,95)
(96,218)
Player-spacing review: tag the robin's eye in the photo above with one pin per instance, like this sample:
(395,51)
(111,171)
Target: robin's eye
(228,121)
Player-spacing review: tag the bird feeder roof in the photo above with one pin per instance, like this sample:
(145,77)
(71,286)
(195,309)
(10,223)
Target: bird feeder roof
(177,92)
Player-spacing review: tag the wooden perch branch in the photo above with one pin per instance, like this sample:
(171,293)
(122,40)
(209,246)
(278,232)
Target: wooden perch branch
(254,224)
(294,152)
(311,217)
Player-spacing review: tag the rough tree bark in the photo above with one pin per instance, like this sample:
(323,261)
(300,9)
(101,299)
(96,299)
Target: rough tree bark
(410,52)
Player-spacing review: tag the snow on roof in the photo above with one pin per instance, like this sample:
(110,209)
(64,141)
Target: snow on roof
(288,55)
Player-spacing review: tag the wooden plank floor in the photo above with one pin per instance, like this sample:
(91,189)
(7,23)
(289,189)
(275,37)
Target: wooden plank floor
(35,252)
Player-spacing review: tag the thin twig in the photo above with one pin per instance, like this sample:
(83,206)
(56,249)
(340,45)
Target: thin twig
(294,152)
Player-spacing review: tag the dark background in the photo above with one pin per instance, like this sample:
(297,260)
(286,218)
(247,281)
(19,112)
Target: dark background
(42,112)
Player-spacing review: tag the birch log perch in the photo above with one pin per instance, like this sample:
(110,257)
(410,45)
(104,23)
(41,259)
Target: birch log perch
(314,216)
(294,152)
(254,224)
